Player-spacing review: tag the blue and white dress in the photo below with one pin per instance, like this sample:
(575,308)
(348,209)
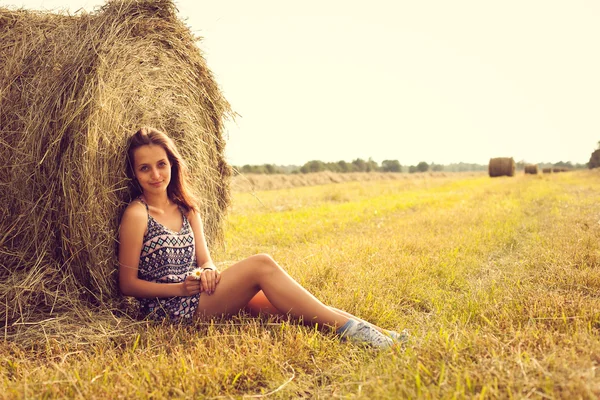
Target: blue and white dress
(167,257)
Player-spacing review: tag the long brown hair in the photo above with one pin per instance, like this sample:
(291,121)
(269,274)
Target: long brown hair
(177,190)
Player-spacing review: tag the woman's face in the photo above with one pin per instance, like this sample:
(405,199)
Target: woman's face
(152,168)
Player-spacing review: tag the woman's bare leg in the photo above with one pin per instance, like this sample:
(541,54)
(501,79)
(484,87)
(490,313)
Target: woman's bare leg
(260,304)
(242,281)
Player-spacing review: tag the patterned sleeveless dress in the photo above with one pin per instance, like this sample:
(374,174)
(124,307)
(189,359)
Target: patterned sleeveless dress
(167,257)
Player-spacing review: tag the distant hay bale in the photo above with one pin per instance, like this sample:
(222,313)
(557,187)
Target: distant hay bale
(501,166)
(531,169)
(547,170)
(72,89)
(594,159)
(556,169)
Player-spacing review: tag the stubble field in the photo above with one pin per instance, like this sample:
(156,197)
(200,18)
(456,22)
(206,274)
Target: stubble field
(498,281)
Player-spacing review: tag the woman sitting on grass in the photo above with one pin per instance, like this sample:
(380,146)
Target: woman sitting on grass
(165,263)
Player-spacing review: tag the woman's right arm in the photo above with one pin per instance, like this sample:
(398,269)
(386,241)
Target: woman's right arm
(131,237)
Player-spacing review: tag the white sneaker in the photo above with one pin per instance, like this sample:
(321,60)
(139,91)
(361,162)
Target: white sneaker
(401,337)
(359,332)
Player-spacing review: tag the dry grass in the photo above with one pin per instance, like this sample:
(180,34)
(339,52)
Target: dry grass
(496,278)
(258,182)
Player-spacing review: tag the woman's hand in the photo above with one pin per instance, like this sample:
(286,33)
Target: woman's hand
(210,278)
(191,286)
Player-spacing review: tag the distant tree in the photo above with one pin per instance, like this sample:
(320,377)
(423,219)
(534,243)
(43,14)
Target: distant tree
(462,167)
(360,165)
(253,169)
(422,166)
(287,169)
(371,166)
(344,166)
(391,166)
(313,166)
(412,169)
(270,169)
(332,166)
(562,164)
(436,167)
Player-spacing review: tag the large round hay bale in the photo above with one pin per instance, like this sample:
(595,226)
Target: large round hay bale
(547,170)
(531,169)
(72,89)
(501,166)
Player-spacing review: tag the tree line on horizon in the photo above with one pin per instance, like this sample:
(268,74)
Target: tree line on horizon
(392,166)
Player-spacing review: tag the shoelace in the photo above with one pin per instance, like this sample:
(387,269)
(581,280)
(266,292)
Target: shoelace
(370,334)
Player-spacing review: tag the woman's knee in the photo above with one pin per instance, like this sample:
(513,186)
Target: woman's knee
(264,263)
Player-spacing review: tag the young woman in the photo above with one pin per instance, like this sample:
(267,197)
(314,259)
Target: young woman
(161,240)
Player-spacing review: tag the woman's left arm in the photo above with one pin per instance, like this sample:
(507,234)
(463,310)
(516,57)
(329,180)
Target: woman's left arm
(211,275)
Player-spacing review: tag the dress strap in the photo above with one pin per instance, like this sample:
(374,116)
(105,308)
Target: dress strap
(144,203)
(181,210)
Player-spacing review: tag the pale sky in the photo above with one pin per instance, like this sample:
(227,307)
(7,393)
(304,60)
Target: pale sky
(436,81)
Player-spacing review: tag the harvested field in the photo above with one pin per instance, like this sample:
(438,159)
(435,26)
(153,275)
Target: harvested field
(495,278)
(257,182)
